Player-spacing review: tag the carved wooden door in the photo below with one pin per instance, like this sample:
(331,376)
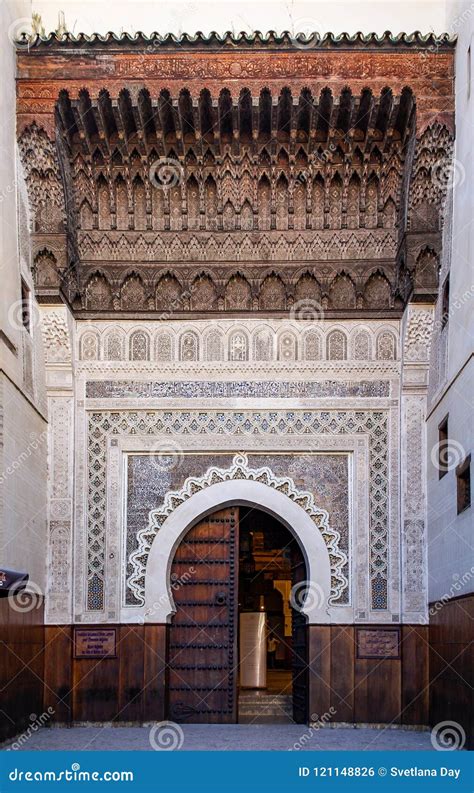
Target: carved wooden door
(299,639)
(203,632)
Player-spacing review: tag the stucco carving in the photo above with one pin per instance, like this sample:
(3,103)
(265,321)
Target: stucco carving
(239,469)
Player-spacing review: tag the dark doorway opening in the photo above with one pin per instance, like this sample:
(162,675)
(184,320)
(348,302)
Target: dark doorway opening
(238,560)
(270,565)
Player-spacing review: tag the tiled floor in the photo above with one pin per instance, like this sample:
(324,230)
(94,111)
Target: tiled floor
(233,737)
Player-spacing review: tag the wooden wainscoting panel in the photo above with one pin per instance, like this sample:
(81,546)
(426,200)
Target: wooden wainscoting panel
(21,665)
(319,660)
(342,672)
(452,665)
(154,672)
(95,689)
(378,689)
(130,651)
(58,653)
(415,675)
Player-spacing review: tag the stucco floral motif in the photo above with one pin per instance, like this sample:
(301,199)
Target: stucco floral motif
(418,335)
(55,338)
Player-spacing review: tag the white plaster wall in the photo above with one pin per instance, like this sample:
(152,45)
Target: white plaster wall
(450,536)
(192,15)
(23,485)
(23,467)
(461,325)
(9,255)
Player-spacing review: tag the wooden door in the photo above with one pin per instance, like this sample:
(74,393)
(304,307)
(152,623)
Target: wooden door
(203,632)
(299,642)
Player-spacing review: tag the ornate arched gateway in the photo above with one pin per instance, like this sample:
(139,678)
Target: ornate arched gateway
(207,649)
(189,555)
(245,485)
(235,244)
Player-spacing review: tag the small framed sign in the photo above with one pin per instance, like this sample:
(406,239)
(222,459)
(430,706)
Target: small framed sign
(378,643)
(95,642)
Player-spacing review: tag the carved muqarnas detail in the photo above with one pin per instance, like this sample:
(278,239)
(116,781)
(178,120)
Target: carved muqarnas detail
(98,293)
(427,270)
(432,175)
(302,294)
(132,294)
(272,294)
(239,469)
(203,294)
(169,294)
(238,294)
(342,294)
(45,270)
(377,292)
(41,170)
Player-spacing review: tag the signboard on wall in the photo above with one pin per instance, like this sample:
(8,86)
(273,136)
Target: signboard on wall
(95,642)
(378,643)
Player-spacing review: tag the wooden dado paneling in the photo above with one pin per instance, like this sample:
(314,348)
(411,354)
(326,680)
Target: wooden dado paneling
(132,686)
(429,683)
(57,671)
(452,664)
(415,674)
(371,690)
(21,665)
(128,688)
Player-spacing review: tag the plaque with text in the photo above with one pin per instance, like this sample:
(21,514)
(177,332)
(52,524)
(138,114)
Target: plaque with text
(95,642)
(378,643)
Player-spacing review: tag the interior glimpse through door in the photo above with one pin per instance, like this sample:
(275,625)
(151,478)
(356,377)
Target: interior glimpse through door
(271,563)
(239,559)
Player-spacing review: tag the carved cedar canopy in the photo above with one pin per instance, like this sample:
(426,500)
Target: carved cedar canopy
(182,197)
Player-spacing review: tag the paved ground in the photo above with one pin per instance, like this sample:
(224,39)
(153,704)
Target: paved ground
(226,737)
